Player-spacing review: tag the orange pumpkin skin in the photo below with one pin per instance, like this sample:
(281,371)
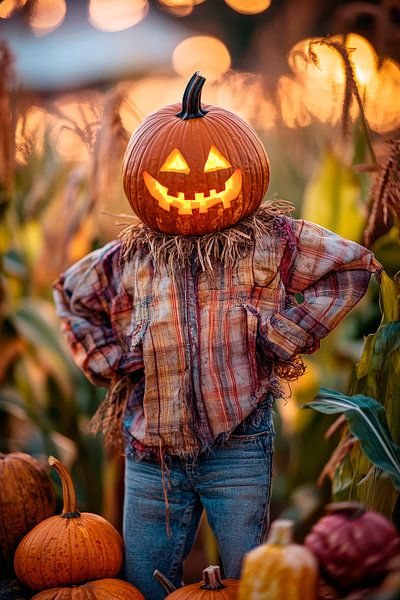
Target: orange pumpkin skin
(245,160)
(26,497)
(212,587)
(194,592)
(70,548)
(102,589)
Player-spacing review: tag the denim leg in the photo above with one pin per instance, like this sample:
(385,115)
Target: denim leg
(234,483)
(147,545)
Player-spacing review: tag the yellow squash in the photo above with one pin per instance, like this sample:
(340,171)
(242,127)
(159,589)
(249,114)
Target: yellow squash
(279,569)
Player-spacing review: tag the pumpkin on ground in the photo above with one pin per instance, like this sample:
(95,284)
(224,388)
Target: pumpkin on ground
(353,545)
(26,497)
(279,569)
(102,589)
(194,169)
(212,587)
(69,548)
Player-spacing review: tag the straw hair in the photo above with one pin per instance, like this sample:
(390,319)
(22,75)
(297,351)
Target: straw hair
(226,246)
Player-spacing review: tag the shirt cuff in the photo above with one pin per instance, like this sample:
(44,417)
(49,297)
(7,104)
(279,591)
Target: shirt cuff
(285,339)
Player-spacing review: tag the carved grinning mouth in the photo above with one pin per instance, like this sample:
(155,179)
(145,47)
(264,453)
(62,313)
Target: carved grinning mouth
(185,206)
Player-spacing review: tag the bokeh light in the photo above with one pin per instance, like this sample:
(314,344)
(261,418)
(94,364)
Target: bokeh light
(204,53)
(7,7)
(179,8)
(249,7)
(328,68)
(362,55)
(382,107)
(320,78)
(143,97)
(290,96)
(116,15)
(46,15)
(245,95)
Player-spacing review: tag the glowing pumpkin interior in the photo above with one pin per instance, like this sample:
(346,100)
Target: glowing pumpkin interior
(176,163)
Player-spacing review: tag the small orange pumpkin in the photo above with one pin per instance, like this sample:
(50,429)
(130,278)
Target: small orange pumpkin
(102,589)
(69,548)
(279,568)
(211,588)
(194,169)
(26,497)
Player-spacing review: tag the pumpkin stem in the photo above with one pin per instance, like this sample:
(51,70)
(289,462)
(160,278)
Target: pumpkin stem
(212,578)
(353,510)
(70,508)
(281,532)
(164,581)
(191,101)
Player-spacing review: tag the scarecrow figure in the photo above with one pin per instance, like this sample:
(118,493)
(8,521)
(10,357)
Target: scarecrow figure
(191,319)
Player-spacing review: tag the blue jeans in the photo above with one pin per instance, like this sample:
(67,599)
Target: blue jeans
(232,482)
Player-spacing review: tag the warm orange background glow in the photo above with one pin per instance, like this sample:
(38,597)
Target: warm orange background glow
(249,7)
(180,8)
(7,7)
(47,15)
(201,52)
(116,15)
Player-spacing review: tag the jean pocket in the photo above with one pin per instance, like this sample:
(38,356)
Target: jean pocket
(250,437)
(249,433)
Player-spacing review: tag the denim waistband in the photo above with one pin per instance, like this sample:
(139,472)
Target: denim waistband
(260,420)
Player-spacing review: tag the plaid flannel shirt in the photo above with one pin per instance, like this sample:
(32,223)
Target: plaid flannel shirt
(207,348)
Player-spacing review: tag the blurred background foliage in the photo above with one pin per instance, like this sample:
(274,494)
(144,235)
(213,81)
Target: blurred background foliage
(76,79)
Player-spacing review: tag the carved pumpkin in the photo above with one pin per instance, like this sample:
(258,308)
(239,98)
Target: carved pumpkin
(26,498)
(211,588)
(102,589)
(279,568)
(353,544)
(194,169)
(69,548)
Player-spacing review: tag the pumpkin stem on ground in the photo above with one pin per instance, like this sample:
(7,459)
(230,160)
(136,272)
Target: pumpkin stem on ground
(191,101)
(281,532)
(164,581)
(212,578)
(353,510)
(70,508)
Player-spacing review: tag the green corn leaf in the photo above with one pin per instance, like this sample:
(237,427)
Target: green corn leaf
(367,421)
(332,199)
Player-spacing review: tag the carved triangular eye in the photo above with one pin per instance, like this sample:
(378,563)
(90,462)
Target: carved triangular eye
(175,163)
(215,161)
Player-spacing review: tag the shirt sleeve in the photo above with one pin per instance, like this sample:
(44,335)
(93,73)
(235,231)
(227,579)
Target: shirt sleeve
(325,276)
(83,297)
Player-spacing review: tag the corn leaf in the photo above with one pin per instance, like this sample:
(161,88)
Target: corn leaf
(377,375)
(367,421)
(332,199)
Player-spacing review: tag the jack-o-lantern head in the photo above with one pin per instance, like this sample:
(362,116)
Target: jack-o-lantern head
(194,169)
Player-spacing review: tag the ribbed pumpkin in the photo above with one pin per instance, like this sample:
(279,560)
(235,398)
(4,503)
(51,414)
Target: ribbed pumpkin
(353,544)
(102,589)
(212,587)
(194,169)
(279,569)
(69,548)
(26,497)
